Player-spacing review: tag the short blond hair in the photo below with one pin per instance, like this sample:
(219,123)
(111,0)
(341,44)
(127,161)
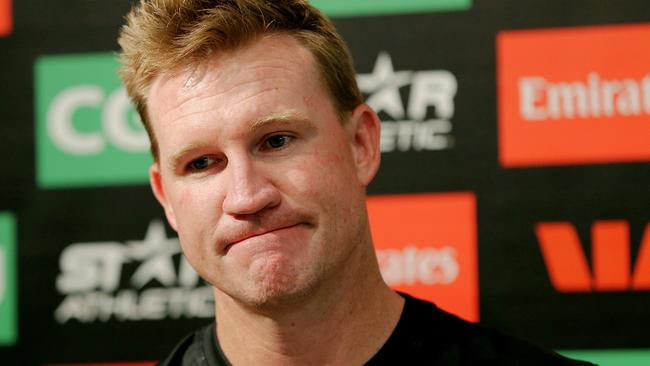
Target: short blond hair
(164,35)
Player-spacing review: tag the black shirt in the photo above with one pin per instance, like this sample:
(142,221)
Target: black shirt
(424,335)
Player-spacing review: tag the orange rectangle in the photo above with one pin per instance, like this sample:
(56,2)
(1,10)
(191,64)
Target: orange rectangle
(574,95)
(611,255)
(426,247)
(6,18)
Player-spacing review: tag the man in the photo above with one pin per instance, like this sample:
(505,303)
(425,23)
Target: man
(263,149)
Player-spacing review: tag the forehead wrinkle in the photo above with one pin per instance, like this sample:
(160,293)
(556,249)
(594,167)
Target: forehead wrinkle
(208,101)
(189,98)
(256,93)
(178,113)
(255,74)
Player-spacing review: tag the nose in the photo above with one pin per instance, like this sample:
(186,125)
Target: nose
(249,189)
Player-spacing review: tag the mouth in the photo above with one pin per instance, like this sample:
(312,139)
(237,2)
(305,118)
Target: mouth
(261,233)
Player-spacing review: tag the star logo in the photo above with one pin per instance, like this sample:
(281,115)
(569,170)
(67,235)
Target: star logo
(383,86)
(156,252)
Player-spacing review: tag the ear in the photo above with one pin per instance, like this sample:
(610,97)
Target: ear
(365,128)
(155,180)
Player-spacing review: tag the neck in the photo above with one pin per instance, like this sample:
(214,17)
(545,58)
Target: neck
(345,322)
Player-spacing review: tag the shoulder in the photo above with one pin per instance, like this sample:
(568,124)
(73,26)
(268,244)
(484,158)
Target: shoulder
(428,332)
(194,349)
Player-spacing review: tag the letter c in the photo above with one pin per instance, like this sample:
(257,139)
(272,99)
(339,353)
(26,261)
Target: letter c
(59,120)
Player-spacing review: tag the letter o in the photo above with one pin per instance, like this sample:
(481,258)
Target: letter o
(116,124)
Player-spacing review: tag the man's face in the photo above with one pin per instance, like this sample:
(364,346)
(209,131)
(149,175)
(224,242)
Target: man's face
(264,185)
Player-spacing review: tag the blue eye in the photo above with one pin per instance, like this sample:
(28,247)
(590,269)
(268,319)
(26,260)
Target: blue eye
(201,163)
(277,141)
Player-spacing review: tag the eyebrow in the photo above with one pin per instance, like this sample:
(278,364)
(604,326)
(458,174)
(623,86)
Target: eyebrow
(281,117)
(285,117)
(177,156)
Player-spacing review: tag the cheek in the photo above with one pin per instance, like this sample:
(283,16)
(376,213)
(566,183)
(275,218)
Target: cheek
(196,212)
(326,180)
(195,199)
(317,171)
(337,170)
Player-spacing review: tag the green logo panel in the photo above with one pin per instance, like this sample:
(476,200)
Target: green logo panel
(617,357)
(8,293)
(375,7)
(87,131)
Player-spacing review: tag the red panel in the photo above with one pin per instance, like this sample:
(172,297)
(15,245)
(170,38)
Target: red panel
(426,245)
(6,18)
(574,95)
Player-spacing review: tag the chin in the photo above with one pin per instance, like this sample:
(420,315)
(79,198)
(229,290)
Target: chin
(275,285)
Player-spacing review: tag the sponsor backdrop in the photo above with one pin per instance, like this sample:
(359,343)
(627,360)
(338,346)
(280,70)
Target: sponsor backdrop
(513,188)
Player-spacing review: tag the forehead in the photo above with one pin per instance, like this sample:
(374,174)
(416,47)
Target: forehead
(274,53)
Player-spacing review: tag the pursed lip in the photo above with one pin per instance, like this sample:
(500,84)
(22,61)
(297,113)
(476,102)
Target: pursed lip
(258,233)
